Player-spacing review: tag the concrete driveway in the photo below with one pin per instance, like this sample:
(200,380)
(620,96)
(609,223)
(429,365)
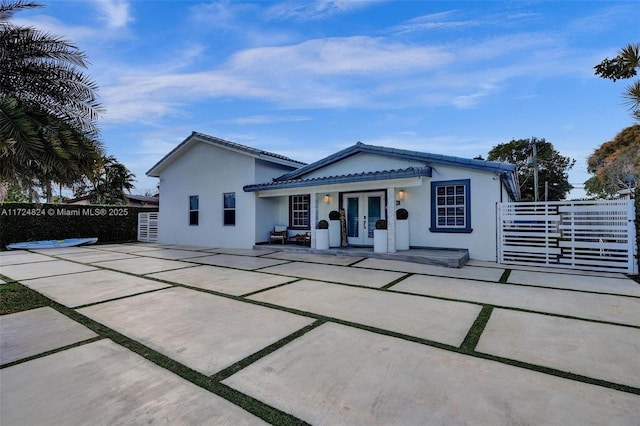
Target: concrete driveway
(141,333)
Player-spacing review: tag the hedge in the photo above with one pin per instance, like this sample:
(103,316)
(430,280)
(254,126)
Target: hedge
(637,218)
(33,222)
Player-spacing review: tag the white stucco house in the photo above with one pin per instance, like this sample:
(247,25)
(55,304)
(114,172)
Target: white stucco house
(218,193)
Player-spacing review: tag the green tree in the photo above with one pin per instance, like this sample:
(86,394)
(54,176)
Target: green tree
(623,66)
(15,194)
(615,165)
(107,183)
(48,107)
(552,167)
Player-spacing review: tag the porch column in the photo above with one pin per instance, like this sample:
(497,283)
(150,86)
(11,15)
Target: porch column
(391,220)
(313,216)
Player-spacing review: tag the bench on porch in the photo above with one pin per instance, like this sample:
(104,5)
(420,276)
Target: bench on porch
(304,239)
(280,235)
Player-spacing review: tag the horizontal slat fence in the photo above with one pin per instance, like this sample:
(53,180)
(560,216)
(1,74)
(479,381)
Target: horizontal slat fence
(148,227)
(594,235)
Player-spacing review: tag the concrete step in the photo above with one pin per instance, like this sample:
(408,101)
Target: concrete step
(451,258)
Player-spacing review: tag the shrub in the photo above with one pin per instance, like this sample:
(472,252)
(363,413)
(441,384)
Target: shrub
(34,222)
(637,206)
(323,224)
(402,214)
(381,224)
(334,215)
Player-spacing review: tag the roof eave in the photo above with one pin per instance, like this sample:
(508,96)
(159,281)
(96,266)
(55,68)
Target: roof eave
(231,146)
(343,179)
(488,166)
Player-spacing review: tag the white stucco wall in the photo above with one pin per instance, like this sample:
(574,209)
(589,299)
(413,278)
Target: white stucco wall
(485,192)
(207,171)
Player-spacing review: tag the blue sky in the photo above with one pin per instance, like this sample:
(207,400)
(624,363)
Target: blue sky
(305,79)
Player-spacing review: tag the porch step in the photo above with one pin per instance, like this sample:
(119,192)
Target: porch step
(450,258)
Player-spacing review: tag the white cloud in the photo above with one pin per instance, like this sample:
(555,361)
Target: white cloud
(456,145)
(314,10)
(269,119)
(53,26)
(343,55)
(356,71)
(434,21)
(221,14)
(116,13)
(468,101)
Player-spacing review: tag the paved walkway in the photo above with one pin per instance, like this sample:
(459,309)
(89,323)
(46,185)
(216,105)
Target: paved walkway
(141,333)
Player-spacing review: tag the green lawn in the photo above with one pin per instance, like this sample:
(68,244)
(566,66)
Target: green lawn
(14,297)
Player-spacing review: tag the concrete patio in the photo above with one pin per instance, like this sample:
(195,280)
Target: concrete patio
(141,333)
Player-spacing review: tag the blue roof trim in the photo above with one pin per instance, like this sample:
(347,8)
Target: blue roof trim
(489,166)
(258,153)
(509,180)
(350,178)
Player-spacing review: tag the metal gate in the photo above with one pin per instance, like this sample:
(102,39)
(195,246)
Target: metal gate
(148,227)
(595,235)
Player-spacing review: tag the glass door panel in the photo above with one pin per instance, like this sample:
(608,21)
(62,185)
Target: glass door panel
(374,206)
(363,209)
(353,215)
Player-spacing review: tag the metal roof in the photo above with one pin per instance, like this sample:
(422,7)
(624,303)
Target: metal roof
(339,179)
(254,152)
(427,158)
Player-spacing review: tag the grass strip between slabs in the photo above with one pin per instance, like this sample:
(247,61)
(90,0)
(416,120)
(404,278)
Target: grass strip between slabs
(473,336)
(276,416)
(505,276)
(252,405)
(231,370)
(251,293)
(51,352)
(394,282)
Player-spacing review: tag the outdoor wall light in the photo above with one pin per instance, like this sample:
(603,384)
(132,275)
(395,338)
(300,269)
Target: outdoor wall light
(401,195)
(327,199)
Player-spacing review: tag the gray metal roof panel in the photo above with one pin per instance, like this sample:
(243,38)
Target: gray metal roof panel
(244,148)
(350,178)
(265,155)
(426,157)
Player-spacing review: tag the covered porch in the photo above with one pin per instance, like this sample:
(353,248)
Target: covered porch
(301,204)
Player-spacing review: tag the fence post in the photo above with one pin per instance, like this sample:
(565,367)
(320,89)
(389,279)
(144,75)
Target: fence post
(498,232)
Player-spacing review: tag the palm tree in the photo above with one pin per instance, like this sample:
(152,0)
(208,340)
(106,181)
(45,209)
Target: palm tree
(624,66)
(48,107)
(107,183)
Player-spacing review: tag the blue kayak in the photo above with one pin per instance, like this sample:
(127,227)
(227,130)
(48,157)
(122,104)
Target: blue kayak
(46,244)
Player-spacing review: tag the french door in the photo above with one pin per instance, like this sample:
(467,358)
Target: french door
(363,210)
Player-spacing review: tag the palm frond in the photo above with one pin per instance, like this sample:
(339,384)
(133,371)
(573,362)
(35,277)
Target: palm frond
(9,8)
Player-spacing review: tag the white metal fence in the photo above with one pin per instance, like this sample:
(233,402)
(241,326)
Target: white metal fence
(148,227)
(596,235)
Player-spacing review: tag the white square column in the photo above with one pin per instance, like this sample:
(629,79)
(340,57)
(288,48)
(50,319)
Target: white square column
(313,217)
(391,220)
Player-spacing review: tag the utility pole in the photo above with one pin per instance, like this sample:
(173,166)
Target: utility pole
(535,168)
(546,190)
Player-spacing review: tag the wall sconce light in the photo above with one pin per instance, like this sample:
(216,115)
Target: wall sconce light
(401,195)
(327,199)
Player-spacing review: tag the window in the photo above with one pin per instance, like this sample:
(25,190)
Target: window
(299,211)
(194,202)
(450,206)
(229,208)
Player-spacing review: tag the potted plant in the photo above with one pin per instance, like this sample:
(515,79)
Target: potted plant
(380,237)
(322,235)
(402,229)
(334,228)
